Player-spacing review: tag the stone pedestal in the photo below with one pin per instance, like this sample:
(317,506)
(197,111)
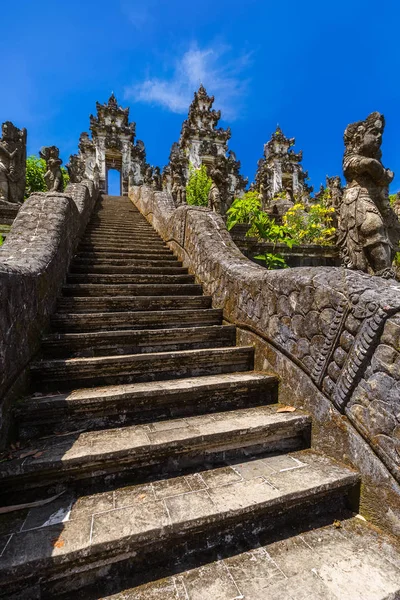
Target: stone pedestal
(8,212)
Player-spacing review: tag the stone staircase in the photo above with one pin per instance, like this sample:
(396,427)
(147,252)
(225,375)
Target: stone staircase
(159,460)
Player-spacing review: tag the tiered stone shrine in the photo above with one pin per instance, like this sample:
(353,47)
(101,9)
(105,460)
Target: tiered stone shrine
(280,173)
(112,147)
(201,142)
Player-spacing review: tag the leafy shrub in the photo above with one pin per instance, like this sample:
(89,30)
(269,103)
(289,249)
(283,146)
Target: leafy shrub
(198,186)
(35,172)
(243,210)
(311,226)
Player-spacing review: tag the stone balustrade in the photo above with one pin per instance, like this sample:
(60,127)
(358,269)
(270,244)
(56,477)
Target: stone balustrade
(332,335)
(33,264)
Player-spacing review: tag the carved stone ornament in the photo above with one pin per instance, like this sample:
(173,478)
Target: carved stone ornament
(53,176)
(12,164)
(369,230)
(201,142)
(280,172)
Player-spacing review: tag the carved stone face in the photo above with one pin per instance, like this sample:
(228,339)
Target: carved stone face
(372,139)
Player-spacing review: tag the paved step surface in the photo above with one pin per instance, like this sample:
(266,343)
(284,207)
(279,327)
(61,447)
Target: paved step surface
(155,319)
(327,563)
(96,453)
(117,526)
(129,368)
(108,343)
(94,408)
(159,458)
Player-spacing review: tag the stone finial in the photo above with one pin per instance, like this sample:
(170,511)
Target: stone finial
(53,176)
(369,230)
(12,164)
(280,171)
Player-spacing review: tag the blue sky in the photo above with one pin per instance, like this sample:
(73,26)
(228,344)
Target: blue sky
(311,66)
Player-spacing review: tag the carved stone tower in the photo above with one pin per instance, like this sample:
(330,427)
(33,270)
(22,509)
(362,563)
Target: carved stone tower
(112,147)
(280,171)
(201,142)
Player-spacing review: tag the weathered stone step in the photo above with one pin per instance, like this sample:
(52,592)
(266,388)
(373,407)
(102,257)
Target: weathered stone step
(123,278)
(320,564)
(108,321)
(127,289)
(113,249)
(90,261)
(132,269)
(121,228)
(113,406)
(159,447)
(117,230)
(111,343)
(132,245)
(140,239)
(139,255)
(87,304)
(72,373)
(141,525)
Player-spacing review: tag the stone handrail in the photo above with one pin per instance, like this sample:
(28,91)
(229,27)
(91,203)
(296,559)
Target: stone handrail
(332,335)
(33,264)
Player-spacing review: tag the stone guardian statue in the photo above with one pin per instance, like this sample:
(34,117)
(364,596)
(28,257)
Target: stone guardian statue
(368,228)
(53,176)
(12,164)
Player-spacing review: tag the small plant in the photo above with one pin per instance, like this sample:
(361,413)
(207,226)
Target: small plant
(198,186)
(272,261)
(243,210)
(1,240)
(396,261)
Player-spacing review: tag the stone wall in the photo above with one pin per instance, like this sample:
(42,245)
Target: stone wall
(33,264)
(331,334)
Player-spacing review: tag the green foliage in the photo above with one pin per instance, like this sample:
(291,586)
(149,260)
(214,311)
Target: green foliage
(310,226)
(198,186)
(1,240)
(396,261)
(65,176)
(272,261)
(35,172)
(392,198)
(243,210)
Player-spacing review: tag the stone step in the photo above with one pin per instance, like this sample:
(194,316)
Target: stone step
(79,541)
(113,406)
(126,289)
(121,228)
(91,268)
(72,373)
(111,343)
(120,249)
(130,230)
(326,563)
(96,261)
(138,255)
(131,245)
(126,240)
(162,447)
(124,278)
(110,321)
(143,304)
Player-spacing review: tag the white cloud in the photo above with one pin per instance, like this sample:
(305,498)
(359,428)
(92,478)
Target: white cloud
(216,68)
